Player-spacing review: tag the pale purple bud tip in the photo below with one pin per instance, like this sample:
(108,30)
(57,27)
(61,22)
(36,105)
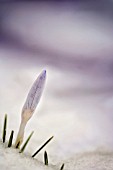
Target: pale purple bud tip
(44,72)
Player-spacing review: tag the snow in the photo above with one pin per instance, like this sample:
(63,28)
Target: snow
(10,158)
(91,161)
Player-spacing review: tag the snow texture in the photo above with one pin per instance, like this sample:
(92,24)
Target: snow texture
(12,160)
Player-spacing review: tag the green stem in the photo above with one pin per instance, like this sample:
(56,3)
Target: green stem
(45,158)
(62,167)
(26,142)
(4,128)
(42,146)
(10,139)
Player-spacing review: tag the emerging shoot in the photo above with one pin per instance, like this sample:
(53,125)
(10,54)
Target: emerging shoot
(30,105)
(26,142)
(4,128)
(42,146)
(45,158)
(62,167)
(11,139)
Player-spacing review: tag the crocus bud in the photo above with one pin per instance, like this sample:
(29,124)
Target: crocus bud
(30,105)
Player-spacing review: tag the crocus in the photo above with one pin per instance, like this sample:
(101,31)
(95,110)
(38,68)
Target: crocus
(30,105)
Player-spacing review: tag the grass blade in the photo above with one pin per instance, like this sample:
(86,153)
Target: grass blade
(4,128)
(45,158)
(10,139)
(42,146)
(26,142)
(62,167)
(17,146)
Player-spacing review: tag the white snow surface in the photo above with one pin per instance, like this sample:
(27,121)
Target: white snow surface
(10,158)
